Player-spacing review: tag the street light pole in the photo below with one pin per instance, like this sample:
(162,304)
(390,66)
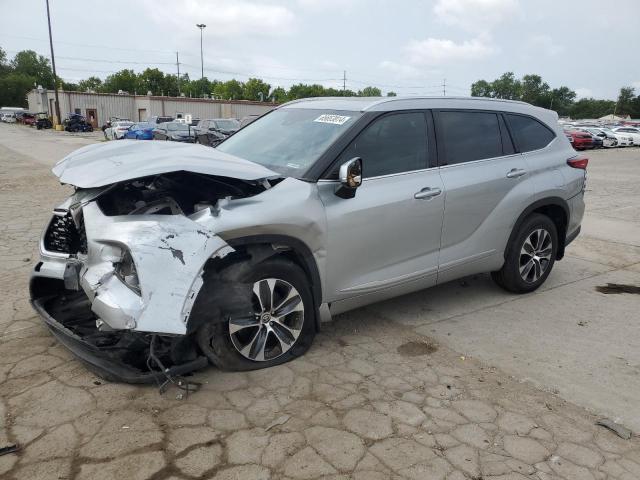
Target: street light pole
(201,26)
(53,65)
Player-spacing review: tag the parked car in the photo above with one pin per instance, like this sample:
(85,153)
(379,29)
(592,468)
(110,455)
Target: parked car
(624,140)
(174,131)
(608,140)
(76,123)
(581,140)
(29,119)
(159,119)
(212,131)
(140,131)
(117,129)
(631,132)
(43,121)
(175,253)
(9,117)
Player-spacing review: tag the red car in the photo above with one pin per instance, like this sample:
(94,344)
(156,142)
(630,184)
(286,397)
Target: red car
(29,119)
(579,140)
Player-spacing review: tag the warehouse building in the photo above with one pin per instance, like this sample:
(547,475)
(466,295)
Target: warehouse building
(98,108)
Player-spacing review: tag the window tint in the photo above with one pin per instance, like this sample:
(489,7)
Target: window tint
(469,136)
(392,144)
(529,134)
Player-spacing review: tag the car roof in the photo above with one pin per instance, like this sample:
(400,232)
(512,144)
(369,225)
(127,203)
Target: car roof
(395,103)
(386,104)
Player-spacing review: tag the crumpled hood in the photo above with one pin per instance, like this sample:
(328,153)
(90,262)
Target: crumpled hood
(106,163)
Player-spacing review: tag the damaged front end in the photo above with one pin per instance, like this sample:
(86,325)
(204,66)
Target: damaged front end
(122,264)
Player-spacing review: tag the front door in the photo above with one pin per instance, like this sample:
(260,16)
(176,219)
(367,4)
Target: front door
(385,241)
(142,114)
(92,117)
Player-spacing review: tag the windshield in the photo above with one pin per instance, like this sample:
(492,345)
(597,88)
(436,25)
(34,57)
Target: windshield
(227,124)
(289,140)
(177,127)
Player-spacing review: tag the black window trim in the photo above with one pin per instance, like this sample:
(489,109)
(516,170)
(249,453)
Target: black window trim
(513,138)
(342,143)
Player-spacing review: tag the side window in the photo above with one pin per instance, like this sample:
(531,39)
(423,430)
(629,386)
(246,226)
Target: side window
(529,134)
(394,143)
(469,136)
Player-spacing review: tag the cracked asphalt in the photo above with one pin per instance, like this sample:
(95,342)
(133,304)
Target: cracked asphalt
(460,382)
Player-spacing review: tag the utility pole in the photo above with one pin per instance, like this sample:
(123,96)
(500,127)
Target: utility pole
(178,65)
(344,80)
(444,87)
(53,64)
(201,26)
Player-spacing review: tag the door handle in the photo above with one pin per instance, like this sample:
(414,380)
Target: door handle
(516,172)
(427,193)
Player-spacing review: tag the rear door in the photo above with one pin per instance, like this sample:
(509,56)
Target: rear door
(386,239)
(486,190)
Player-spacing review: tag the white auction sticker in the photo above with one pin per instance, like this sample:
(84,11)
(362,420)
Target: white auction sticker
(334,119)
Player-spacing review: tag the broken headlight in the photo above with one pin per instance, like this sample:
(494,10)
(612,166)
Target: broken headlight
(125,270)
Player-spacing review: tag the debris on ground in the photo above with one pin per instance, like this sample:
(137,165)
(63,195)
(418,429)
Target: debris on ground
(9,449)
(621,431)
(617,288)
(281,420)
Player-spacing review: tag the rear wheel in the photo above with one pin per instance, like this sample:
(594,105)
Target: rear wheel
(279,327)
(530,256)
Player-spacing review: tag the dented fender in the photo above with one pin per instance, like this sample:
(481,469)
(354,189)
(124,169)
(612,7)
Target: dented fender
(169,253)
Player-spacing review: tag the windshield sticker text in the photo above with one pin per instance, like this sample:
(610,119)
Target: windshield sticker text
(334,119)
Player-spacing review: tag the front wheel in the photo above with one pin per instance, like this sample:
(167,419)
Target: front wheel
(279,324)
(530,256)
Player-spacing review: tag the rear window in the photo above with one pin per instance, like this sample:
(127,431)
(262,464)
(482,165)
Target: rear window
(529,134)
(469,136)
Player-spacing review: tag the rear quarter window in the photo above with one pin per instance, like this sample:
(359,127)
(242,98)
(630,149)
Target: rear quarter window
(528,133)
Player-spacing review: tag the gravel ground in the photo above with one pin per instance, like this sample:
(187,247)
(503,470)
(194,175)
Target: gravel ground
(381,394)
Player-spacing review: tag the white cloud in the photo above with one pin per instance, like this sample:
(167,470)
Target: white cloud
(223,18)
(437,51)
(401,70)
(475,15)
(545,44)
(335,5)
(583,93)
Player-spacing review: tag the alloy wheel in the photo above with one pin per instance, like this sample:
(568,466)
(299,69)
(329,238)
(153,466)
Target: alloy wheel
(275,324)
(535,255)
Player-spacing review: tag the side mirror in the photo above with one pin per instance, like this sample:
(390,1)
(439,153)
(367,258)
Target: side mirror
(350,177)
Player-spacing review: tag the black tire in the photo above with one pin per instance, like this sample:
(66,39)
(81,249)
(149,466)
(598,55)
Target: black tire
(509,276)
(215,340)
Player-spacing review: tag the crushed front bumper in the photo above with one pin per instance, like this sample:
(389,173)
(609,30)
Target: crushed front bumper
(116,355)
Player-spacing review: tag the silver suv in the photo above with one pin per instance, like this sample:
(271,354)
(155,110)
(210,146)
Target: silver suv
(169,254)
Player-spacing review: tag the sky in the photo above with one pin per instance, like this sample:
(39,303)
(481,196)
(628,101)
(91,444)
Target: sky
(411,47)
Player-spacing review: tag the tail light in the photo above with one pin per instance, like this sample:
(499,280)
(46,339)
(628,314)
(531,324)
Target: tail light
(579,161)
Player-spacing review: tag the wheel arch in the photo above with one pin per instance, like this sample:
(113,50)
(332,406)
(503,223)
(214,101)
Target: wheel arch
(557,209)
(293,248)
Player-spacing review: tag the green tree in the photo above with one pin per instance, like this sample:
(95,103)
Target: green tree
(229,90)
(13,89)
(152,79)
(534,91)
(561,100)
(591,108)
(481,88)
(279,95)
(392,94)
(69,86)
(253,88)
(370,92)
(625,101)
(506,87)
(4,65)
(28,62)
(91,84)
(125,80)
